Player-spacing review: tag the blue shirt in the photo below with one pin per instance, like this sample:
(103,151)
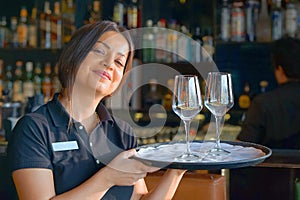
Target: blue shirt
(46,139)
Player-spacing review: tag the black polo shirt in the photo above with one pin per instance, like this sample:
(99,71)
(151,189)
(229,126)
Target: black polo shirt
(273,118)
(43,139)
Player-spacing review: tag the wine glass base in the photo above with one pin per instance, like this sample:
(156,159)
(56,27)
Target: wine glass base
(217,154)
(188,157)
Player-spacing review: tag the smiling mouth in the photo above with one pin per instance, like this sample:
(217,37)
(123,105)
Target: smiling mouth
(103,74)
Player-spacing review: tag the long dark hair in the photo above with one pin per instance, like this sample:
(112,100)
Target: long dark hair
(79,46)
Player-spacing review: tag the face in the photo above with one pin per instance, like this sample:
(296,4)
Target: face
(102,70)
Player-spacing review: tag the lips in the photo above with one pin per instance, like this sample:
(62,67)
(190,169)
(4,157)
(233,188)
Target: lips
(103,74)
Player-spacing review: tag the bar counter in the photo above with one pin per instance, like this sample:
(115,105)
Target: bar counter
(272,179)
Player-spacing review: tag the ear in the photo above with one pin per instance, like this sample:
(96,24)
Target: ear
(280,75)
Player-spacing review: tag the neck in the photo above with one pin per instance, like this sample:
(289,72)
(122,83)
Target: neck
(79,107)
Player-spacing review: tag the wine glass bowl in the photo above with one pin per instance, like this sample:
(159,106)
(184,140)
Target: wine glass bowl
(187,103)
(218,100)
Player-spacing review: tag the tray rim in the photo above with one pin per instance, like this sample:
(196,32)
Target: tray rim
(207,165)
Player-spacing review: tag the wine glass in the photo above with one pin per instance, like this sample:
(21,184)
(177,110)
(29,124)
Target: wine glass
(187,104)
(218,99)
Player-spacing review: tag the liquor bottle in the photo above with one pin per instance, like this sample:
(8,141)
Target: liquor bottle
(238,28)
(167,99)
(1,77)
(184,45)
(161,36)
(18,82)
(244,101)
(263,28)
(263,86)
(132,14)
(3,32)
(119,10)
(33,29)
(172,41)
(28,86)
(208,45)
(277,20)
(14,33)
(45,26)
(245,97)
(252,9)
(37,79)
(197,45)
(152,96)
(68,20)
(95,14)
(56,27)
(47,83)
(148,43)
(225,21)
(56,86)
(22,28)
(291,19)
(8,83)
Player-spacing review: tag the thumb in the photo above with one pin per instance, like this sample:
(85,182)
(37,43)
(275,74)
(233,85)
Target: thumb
(129,153)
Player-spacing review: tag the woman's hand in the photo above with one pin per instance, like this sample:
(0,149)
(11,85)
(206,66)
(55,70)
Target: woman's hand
(124,171)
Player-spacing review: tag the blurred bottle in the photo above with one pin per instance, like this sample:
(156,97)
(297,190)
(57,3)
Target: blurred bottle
(56,86)
(45,26)
(148,41)
(208,46)
(172,42)
(263,86)
(197,45)
(245,97)
(18,82)
(3,32)
(152,96)
(167,99)
(1,77)
(96,13)
(291,19)
(47,82)
(244,101)
(37,79)
(161,36)
(56,27)
(28,86)
(238,24)
(277,20)
(33,29)
(225,21)
(263,28)
(68,20)
(132,14)
(8,82)
(14,33)
(118,13)
(22,28)
(184,45)
(252,9)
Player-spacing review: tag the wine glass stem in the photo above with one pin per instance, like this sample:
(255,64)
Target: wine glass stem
(187,124)
(218,131)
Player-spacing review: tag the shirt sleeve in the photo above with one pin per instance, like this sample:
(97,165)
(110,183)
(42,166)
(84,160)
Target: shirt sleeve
(28,146)
(253,128)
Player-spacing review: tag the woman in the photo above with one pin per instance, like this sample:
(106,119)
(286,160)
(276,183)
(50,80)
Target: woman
(71,147)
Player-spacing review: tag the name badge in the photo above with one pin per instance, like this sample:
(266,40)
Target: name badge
(65,146)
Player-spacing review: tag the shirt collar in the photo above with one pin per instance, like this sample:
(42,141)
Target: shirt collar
(61,117)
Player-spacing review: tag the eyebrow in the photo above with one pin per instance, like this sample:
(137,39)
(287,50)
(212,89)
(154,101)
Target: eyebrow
(106,45)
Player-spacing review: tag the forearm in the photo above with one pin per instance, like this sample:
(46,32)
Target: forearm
(94,188)
(166,188)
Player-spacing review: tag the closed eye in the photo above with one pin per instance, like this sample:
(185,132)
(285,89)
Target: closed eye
(99,51)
